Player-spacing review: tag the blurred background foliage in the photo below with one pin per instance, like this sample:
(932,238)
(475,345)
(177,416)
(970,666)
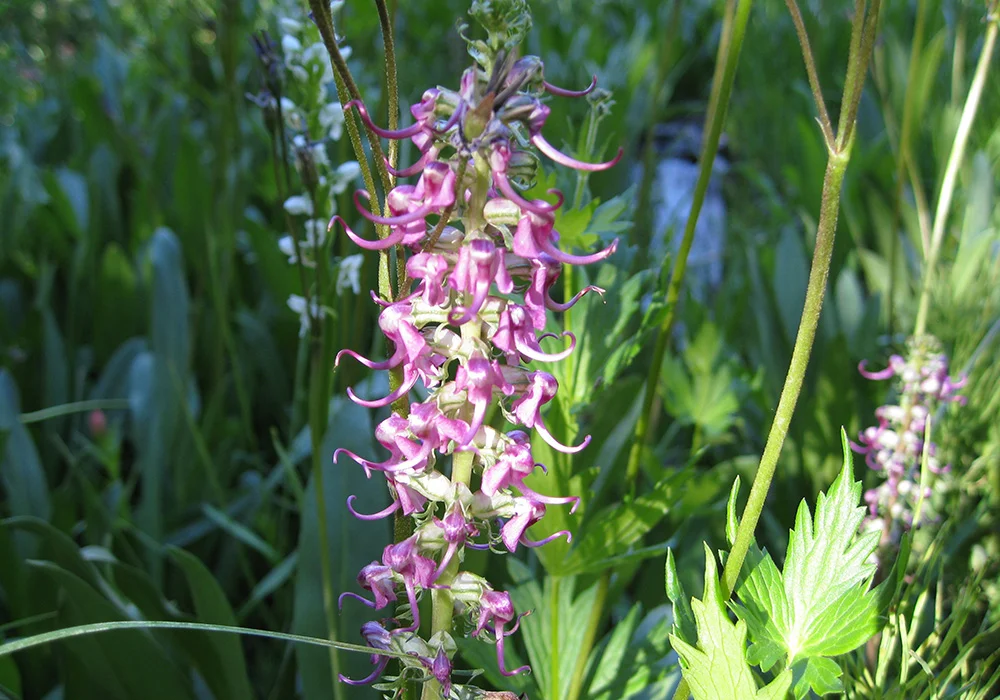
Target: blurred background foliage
(139,271)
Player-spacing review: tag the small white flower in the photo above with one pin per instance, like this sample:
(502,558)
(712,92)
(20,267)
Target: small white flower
(346,52)
(298,72)
(290,113)
(305,311)
(331,119)
(315,233)
(319,156)
(290,45)
(289,25)
(287,247)
(335,5)
(348,274)
(298,204)
(345,174)
(315,53)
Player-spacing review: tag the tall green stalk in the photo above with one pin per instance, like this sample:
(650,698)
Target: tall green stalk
(734,26)
(839,154)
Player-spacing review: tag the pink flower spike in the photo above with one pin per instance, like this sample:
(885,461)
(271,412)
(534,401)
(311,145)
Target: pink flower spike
(886,373)
(379,403)
(563,92)
(374,516)
(405,133)
(559,157)
(420,212)
(381,244)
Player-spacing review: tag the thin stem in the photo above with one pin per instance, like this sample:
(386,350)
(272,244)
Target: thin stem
(734,29)
(839,157)
(807,56)
(955,159)
(392,90)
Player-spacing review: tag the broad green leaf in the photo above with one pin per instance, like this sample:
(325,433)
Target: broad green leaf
(21,473)
(612,658)
(211,606)
(10,678)
(352,544)
(613,530)
(717,668)
(139,666)
(553,634)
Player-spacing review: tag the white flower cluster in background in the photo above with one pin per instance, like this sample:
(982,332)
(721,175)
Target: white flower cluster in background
(313,119)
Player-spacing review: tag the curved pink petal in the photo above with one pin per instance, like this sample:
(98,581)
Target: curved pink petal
(383,662)
(379,403)
(546,245)
(540,356)
(340,600)
(883,374)
(550,500)
(417,167)
(556,306)
(404,133)
(396,358)
(420,212)
(559,157)
(381,244)
(530,543)
(563,92)
(555,444)
(537,206)
(373,516)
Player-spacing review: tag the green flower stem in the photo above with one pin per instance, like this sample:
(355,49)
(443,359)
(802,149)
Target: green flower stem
(392,90)
(955,159)
(862,40)
(733,30)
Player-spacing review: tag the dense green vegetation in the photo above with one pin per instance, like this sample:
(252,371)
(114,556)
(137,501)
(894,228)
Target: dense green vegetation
(166,419)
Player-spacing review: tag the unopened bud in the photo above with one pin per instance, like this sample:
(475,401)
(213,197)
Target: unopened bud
(97,421)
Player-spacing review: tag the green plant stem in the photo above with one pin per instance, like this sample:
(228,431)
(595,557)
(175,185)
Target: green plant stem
(811,74)
(862,40)
(734,29)
(955,159)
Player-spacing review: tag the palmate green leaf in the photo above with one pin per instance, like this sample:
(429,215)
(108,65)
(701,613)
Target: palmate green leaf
(821,605)
(717,668)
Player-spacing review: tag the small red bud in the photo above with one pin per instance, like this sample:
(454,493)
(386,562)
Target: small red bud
(98,423)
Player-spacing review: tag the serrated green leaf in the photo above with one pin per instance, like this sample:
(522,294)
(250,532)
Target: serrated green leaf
(819,674)
(826,560)
(715,669)
(684,624)
(821,605)
(732,520)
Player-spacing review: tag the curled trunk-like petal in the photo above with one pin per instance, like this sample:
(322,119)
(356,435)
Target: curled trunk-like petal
(532,544)
(383,662)
(404,133)
(393,361)
(348,594)
(537,206)
(563,92)
(392,239)
(555,444)
(417,214)
(373,516)
(886,373)
(379,403)
(556,306)
(559,157)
